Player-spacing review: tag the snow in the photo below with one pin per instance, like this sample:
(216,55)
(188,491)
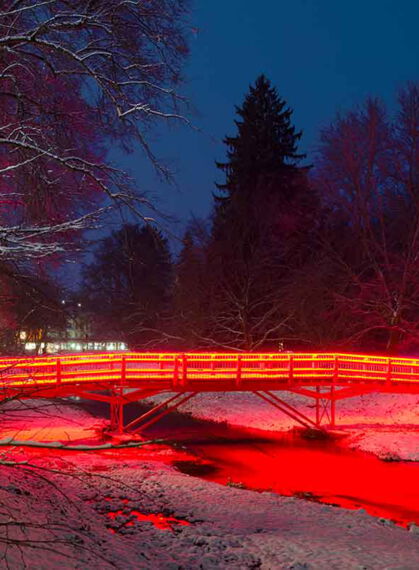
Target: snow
(384,424)
(47,420)
(69,498)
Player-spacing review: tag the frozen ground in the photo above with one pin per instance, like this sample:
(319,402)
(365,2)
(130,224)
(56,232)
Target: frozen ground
(384,424)
(95,515)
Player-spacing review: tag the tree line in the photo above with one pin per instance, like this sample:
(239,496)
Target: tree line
(296,254)
(293,255)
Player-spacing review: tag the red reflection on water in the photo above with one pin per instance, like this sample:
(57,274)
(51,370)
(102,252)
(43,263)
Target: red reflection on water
(320,471)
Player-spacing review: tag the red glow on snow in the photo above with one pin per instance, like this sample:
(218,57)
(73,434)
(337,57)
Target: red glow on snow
(157,520)
(383,489)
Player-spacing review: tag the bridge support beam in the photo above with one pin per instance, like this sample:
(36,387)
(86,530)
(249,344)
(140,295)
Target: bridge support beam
(148,418)
(118,401)
(155,414)
(325,407)
(287,409)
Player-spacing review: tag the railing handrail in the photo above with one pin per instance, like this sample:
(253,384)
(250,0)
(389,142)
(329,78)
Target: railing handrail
(183,369)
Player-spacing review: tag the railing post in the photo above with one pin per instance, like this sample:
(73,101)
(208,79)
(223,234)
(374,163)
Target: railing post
(184,369)
(291,368)
(176,372)
(336,369)
(58,371)
(123,370)
(332,391)
(388,379)
(239,371)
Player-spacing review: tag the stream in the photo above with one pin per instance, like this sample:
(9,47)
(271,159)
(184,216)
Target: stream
(322,470)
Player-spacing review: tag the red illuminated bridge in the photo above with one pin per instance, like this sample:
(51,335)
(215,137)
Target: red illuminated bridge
(121,378)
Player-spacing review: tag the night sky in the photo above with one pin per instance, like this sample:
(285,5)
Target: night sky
(322,55)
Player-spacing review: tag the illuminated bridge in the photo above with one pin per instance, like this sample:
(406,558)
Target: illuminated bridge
(119,378)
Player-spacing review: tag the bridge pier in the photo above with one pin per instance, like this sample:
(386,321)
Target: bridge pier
(325,407)
(117,415)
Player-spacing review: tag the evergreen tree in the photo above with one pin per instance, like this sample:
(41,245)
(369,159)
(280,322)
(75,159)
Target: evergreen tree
(262,158)
(266,140)
(258,219)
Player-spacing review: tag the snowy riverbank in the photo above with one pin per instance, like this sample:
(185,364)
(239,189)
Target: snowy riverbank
(105,512)
(384,424)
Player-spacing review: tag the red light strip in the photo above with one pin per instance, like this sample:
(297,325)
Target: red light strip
(176,369)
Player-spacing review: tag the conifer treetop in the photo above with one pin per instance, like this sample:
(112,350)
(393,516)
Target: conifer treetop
(266,141)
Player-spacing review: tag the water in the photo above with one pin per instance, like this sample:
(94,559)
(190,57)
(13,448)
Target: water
(324,471)
(321,470)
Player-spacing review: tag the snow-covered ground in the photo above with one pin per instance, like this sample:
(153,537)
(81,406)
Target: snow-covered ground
(89,509)
(384,424)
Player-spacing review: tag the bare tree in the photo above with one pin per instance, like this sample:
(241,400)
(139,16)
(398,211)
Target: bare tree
(127,287)
(368,174)
(74,77)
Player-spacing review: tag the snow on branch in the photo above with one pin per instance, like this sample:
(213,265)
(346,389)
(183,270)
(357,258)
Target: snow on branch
(75,78)
(27,242)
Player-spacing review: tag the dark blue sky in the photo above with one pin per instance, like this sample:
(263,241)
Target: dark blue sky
(322,55)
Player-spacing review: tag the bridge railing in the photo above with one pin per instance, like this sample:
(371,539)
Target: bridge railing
(179,370)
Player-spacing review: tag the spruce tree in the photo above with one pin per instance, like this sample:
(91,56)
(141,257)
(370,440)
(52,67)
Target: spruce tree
(255,220)
(262,158)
